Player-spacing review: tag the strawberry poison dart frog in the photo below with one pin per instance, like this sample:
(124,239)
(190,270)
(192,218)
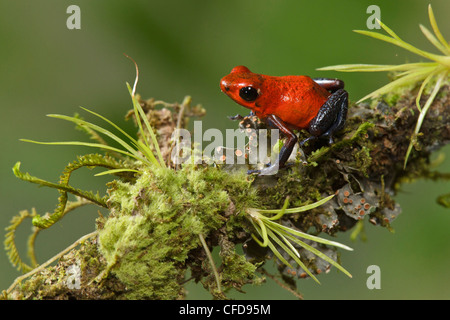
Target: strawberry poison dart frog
(290,103)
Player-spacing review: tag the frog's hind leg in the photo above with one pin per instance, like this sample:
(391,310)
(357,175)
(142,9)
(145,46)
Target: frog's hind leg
(330,118)
(332,85)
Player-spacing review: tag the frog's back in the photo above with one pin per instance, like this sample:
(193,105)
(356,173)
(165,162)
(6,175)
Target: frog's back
(295,99)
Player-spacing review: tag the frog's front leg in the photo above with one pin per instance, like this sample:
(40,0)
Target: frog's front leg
(286,150)
(330,118)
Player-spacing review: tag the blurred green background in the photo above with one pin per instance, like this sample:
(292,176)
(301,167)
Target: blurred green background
(184,48)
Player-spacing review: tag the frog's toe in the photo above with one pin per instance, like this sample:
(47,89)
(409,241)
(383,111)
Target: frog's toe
(329,135)
(236,117)
(269,171)
(310,138)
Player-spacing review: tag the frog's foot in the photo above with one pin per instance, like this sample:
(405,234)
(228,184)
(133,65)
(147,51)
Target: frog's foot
(310,138)
(236,117)
(328,134)
(269,170)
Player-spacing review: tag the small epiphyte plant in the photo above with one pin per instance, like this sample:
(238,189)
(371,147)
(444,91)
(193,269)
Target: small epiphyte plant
(274,234)
(142,151)
(433,75)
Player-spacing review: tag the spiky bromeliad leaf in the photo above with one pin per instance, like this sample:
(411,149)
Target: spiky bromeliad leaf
(271,231)
(433,75)
(134,149)
(127,150)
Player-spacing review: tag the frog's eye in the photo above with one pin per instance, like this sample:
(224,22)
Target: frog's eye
(248,93)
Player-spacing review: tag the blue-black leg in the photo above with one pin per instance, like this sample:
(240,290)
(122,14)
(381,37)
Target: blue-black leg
(332,85)
(330,118)
(286,150)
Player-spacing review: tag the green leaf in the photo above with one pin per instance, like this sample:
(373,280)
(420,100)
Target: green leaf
(422,114)
(403,81)
(320,254)
(131,151)
(88,144)
(298,233)
(433,40)
(436,30)
(292,253)
(295,210)
(376,67)
(400,43)
(140,114)
(262,230)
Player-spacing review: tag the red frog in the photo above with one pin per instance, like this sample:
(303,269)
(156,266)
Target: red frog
(290,103)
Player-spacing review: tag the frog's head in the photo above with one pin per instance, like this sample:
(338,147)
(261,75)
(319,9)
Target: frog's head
(243,86)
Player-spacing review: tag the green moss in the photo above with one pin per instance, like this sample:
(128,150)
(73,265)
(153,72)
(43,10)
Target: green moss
(155,223)
(237,270)
(362,160)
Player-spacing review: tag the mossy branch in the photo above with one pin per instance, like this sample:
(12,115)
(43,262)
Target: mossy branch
(157,214)
(382,131)
(64,206)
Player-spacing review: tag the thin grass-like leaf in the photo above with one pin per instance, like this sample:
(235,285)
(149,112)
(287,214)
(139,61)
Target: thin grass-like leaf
(295,210)
(279,255)
(308,236)
(281,212)
(436,30)
(389,31)
(319,253)
(402,44)
(261,228)
(96,128)
(284,236)
(291,253)
(403,81)
(148,153)
(140,114)
(271,246)
(135,142)
(433,39)
(412,73)
(427,105)
(286,241)
(422,87)
(106,132)
(93,135)
(376,67)
(88,144)
(263,232)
